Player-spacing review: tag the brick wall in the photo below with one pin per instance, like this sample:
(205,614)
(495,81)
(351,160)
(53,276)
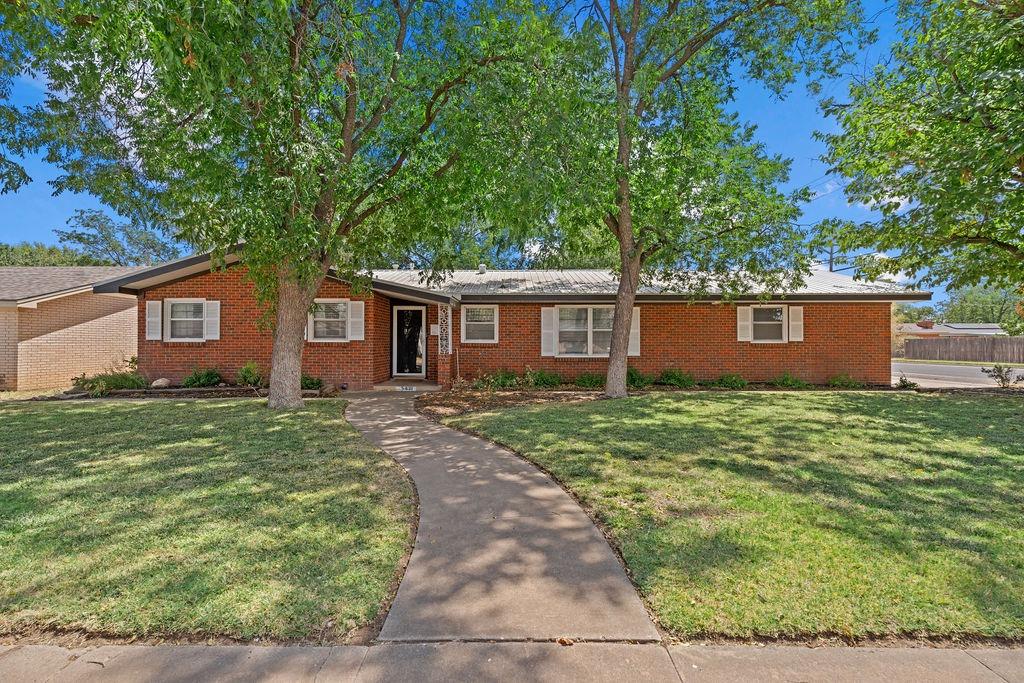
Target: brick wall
(850,338)
(242,339)
(8,349)
(65,337)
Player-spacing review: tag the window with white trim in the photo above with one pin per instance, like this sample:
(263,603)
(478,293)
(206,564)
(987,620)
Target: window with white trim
(768,324)
(330,320)
(584,330)
(186,320)
(480,324)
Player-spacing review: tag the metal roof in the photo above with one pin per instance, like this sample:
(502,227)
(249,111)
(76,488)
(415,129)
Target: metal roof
(575,283)
(953,329)
(19,284)
(531,285)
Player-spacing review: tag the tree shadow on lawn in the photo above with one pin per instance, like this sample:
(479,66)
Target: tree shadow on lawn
(906,474)
(195,517)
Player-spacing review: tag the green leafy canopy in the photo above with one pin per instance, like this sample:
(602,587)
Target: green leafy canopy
(318,134)
(934,139)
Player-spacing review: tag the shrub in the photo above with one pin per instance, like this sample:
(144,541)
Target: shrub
(100,385)
(250,375)
(590,380)
(202,377)
(502,379)
(637,380)
(676,378)
(905,383)
(789,381)
(730,381)
(844,381)
(1003,375)
(541,379)
(310,383)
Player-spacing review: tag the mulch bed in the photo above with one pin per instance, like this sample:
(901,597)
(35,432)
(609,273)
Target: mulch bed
(175,392)
(441,404)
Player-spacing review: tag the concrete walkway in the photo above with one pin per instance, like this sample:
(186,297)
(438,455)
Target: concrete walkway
(426,662)
(502,552)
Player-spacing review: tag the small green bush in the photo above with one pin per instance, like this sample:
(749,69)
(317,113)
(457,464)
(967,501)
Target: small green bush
(844,381)
(1003,375)
(202,377)
(730,381)
(100,385)
(905,383)
(590,380)
(250,375)
(541,379)
(310,383)
(789,381)
(637,380)
(502,379)
(676,378)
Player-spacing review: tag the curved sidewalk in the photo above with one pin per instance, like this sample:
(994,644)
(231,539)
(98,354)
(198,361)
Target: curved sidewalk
(502,552)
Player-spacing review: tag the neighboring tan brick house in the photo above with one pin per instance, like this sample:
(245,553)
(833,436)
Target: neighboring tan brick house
(479,322)
(53,326)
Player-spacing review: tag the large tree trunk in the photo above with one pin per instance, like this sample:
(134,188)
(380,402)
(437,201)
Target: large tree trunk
(293,302)
(615,382)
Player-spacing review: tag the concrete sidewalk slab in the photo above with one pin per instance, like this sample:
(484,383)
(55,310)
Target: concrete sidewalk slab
(1009,663)
(725,664)
(32,663)
(173,663)
(596,662)
(502,552)
(489,661)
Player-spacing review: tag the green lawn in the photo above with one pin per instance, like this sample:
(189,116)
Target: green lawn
(795,514)
(194,518)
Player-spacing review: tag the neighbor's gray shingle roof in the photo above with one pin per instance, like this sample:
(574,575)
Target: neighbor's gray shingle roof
(602,282)
(18,283)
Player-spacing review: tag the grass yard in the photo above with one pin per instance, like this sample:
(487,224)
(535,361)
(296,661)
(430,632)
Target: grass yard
(194,519)
(800,514)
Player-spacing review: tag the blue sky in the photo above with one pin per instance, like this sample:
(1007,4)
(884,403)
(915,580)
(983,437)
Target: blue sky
(786,127)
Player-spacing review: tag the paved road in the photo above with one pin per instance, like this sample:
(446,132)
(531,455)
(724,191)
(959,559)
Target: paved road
(941,375)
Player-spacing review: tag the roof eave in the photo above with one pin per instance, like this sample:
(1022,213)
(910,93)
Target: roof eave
(134,283)
(413,293)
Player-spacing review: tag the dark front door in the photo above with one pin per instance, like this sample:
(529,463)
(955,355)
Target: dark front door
(410,341)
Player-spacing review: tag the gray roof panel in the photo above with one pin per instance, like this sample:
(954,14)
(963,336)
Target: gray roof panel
(20,283)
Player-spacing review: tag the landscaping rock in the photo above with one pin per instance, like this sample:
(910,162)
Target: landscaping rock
(328,389)
(161,383)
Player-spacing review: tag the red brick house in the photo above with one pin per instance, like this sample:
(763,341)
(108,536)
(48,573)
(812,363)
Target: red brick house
(478,322)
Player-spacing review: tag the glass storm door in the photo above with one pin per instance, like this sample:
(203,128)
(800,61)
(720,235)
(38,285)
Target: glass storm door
(409,343)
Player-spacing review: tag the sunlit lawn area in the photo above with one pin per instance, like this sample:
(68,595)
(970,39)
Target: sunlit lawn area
(194,518)
(793,514)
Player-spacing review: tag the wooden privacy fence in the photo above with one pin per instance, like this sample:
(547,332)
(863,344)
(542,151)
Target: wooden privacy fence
(983,349)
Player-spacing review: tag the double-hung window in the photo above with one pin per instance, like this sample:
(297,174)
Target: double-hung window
(480,324)
(584,330)
(329,320)
(186,319)
(768,324)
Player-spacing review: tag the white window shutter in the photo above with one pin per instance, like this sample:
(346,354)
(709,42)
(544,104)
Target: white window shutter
(796,323)
(548,318)
(634,333)
(212,318)
(744,323)
(154,320)
(356,317)
(167,318)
